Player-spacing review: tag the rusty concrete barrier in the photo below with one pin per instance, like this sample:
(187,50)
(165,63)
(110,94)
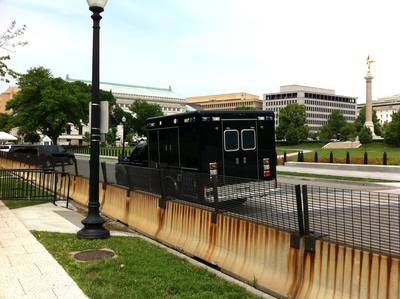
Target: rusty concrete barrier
(144,214)
(188,229)
(257,254)
(116,203)
(335,271)
(80,192)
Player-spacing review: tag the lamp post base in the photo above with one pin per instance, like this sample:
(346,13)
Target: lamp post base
(93,228)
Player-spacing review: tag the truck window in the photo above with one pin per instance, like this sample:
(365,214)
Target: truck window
(248,139)
(231,140)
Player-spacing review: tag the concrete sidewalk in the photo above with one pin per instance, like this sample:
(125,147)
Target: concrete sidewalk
(345,173)
(47,217)
(27,269)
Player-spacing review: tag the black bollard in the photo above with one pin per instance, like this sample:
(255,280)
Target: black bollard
(347,158)
(298,157)
(316,157)
(365,158)
(384,158)
(331,157)
(284,158)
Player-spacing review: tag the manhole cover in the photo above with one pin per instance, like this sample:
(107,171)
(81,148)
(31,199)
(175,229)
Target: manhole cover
(93,255)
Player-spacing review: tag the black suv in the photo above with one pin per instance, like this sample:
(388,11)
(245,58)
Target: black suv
(46,155)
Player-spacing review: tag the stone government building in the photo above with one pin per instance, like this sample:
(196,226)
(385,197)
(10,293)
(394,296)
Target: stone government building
(227,101)
(126,95)
(319,103)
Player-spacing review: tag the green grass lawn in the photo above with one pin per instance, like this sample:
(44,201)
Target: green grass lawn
(21,203)
(375,153)
(140,270)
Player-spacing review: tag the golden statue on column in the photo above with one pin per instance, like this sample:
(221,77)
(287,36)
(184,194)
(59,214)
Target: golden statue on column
(368,106)
(369,62)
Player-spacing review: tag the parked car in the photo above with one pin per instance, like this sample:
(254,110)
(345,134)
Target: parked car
(45,155)
(5,147)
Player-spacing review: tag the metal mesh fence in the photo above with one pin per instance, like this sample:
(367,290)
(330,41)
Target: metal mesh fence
(361,219)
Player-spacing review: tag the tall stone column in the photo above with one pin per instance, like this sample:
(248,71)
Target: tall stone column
(368,106)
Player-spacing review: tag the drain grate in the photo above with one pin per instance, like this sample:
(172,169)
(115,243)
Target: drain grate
(93,255)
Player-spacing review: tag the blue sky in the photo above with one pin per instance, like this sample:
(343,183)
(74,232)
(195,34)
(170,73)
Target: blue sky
(207,47)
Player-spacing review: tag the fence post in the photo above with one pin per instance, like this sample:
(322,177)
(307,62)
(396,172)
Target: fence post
(55,187)
(284,158)
(104,171)
(163,201)
(76,167)
(365,158)
(309,237)
(299,210)
(384,158)
(305,210)
(316,157)
(347,158)
(331,157)
(296,237)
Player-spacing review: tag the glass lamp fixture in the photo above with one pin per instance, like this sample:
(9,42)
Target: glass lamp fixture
(97,3)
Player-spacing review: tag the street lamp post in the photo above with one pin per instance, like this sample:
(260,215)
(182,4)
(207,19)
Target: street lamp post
(123,137)
(93,223)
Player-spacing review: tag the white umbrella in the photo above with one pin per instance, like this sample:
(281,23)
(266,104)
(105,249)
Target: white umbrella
(7,137)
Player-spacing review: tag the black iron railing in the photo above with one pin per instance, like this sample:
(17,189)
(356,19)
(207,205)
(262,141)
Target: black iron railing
(34,184)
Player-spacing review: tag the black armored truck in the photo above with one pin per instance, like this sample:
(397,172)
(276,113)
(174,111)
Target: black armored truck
(187,154)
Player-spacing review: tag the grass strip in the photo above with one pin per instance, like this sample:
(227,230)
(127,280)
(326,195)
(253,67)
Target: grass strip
(21,203)
(332,177)
(140,270)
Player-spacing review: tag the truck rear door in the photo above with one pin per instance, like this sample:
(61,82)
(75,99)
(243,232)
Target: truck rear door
(240,148)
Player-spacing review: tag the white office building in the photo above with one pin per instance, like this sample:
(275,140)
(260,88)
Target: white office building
(319,104)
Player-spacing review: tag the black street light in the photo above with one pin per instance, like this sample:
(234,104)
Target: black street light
(93,223)
(123,137)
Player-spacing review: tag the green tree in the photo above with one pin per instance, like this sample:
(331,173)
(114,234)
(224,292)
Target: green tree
(336,123)
(129,137)
(8,42)
(111,136)
(280,133)
(32,137)
(86,137)
(392,131)
(365,136)
(313,136)
(142,111)
(348,132)
(47,104)
(5,122)
(325,134)
(360,122)
(245,108)
(116,117)
(293,124)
